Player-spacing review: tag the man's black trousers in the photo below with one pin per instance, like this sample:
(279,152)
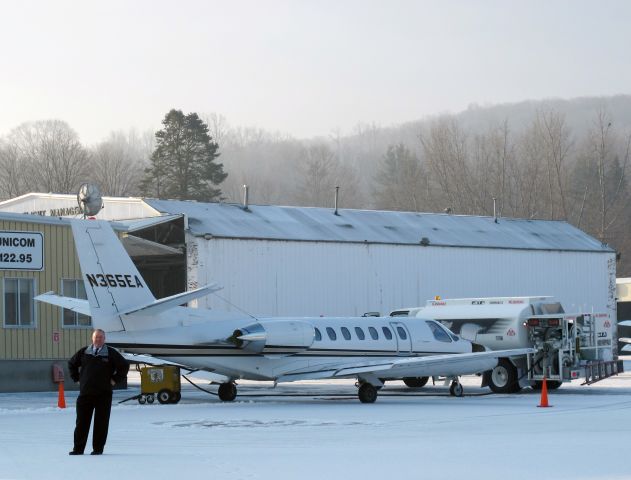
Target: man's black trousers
(100,405)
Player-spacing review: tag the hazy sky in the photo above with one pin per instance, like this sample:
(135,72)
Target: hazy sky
(296,66)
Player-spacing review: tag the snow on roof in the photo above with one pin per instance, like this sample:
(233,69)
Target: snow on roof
(373,226)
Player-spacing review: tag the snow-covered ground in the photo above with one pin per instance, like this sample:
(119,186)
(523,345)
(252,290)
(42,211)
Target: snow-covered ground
(325,433)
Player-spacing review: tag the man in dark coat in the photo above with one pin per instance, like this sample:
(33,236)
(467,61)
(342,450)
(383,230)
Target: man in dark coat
(97,368)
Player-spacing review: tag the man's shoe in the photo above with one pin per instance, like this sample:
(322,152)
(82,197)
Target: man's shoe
(97,452)
(74,452)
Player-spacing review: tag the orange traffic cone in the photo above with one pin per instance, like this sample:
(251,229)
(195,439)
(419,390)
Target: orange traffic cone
(61,400)
(544,395)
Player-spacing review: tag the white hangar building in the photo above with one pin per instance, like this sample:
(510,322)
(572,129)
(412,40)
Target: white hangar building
(274,260)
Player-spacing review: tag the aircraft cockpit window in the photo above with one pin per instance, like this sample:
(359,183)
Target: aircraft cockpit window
(387,332)
(346,333)
(331,333)
(402,334)
(439,332)
(318,335)
(360,333)
(373,333)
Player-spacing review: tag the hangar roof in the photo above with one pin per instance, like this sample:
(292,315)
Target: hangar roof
(371,226)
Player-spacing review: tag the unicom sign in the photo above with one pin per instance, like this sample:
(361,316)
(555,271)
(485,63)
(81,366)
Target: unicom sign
(21,251)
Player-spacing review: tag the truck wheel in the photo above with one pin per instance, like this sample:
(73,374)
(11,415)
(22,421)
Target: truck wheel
(550,384)
(142,400)
(367,393)
(150,398)
(164,396)
(176,397)
(415,382)
(227,392)
(504,377)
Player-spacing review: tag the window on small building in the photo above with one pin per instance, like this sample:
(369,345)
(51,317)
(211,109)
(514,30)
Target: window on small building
(18,302)
(373,333)
(318,335)
(74,289)
(387,332)
(346,333)
(331,333)
(360,333)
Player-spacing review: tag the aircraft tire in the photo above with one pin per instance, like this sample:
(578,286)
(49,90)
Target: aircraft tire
(367,393)
(503,378)
(150,398)
(227,392)
(415,382)
(456,389)
(164,396)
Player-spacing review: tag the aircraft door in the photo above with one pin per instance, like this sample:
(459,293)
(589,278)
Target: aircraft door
(402,334)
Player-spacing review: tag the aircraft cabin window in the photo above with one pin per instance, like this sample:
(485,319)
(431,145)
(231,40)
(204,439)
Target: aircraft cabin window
(318,335)
(387,332)
(402,334)
(360,333)
(346,333)
(331,333)
(439,333)
(373,333)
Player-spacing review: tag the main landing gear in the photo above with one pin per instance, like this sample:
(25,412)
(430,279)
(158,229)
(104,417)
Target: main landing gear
(227,392)
(455,389)
(367,393)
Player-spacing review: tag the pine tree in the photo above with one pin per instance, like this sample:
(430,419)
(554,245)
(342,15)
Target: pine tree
(183,165)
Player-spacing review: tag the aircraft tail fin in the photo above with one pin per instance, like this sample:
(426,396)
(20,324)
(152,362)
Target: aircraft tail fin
(112,282)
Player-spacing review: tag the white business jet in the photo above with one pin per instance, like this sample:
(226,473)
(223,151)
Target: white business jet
(370,349)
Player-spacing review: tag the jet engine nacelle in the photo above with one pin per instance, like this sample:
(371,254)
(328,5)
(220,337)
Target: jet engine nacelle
(275,336)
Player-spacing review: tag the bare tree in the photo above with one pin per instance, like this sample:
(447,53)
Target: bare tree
(601,177)
(12,180)
(445,149)
(555,136)
(53,158)
(118,163)
(319,173)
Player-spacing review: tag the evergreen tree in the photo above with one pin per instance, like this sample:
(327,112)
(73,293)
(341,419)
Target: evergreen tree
(183,164)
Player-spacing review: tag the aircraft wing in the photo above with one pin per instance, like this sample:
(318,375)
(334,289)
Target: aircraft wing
(625,323)
(450,362)
(75,304)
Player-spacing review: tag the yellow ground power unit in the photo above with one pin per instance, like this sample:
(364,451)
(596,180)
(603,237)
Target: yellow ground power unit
(162,381)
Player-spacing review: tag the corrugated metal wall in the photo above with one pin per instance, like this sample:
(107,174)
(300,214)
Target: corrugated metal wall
(320,278)
(60,261)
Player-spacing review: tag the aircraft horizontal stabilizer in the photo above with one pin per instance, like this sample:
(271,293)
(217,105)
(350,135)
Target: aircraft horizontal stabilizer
(164,304)
(75,304)
(625,323)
